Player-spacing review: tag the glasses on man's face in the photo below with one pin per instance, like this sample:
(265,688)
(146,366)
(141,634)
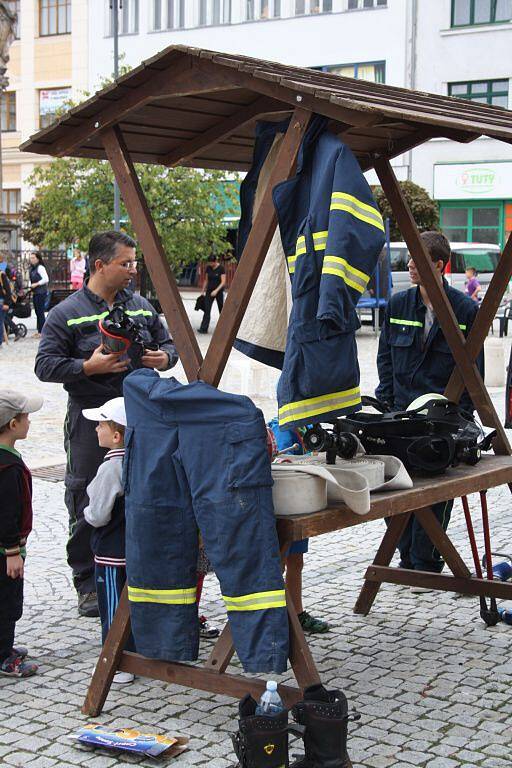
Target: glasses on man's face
(127,264)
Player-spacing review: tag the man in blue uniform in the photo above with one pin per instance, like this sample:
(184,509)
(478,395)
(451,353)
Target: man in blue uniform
(414,359)
(71,353)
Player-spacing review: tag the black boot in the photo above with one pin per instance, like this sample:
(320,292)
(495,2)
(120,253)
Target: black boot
(261,740)
(324,714)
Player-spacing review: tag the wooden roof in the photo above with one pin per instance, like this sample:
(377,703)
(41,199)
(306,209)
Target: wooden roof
(195,107)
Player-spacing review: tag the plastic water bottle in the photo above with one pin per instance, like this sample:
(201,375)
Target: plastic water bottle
(505,615)
(270,702)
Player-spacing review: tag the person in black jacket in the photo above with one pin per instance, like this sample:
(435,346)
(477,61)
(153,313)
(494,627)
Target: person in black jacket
(39,284)
(414,359)
(15,526)
(71,353)
(5,302)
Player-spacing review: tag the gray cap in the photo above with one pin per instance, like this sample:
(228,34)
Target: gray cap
(12,403)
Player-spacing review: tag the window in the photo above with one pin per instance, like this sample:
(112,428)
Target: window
(475,223)
(8,111)
(262,9)
(54,17)
(51,102)
(127,16)
(170,14)
(354,5)
(14,7)
(374,71)
(469,12)
(213,12)
(303,7)
(483,91)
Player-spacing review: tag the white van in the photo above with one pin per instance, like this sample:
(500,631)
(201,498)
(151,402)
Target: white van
(482,256)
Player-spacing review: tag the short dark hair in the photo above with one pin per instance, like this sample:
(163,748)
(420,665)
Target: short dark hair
(5,427)
(103,246)
(437,245)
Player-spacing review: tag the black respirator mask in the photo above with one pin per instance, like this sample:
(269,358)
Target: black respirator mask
(120,335)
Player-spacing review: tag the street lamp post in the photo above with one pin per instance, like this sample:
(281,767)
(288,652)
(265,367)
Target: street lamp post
(7,35)
(114,6)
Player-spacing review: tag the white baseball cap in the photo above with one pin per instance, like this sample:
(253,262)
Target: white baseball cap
(12,403)
(112,410)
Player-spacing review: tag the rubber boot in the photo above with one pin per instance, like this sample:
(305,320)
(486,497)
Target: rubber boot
(324,714)
(261,740)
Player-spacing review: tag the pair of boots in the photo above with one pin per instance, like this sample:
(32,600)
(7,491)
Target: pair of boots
(322,722)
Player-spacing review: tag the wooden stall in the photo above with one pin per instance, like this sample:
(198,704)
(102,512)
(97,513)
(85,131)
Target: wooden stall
(198,108)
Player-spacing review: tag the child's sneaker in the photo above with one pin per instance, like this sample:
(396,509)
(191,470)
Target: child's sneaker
(15,665)
(123,678)
(206,631)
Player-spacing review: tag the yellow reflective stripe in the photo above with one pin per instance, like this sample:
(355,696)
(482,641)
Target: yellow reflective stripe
(165,596)
(315,406)
(335,265)
(400,321)
(319,243)
(257,601)
(87,319)
(341,201)
(462,327)
(143,312)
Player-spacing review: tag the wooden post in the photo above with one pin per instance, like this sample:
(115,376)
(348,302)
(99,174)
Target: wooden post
(253,256)
(154,254)
(442,307)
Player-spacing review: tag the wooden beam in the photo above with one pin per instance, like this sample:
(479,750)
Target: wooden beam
(154,254)
(180,79)
(463,586)
(442,307)
(484,318)
(220,131)
(253,256)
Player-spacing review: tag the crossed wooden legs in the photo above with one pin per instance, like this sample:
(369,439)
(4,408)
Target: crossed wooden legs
(461,582)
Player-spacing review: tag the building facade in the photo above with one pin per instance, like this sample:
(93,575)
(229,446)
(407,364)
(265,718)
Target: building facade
(48,66)
(452,47)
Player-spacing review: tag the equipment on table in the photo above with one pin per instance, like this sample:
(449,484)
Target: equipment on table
(297,493)
(333,441)
(428,439)
(119,334)
(324,715)
(489,615)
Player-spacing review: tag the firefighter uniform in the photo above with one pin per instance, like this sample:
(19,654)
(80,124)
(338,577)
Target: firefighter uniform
(69,337)
(411,365)
(332,234)
(196,458)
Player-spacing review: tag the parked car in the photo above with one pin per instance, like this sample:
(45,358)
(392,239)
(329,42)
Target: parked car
(483,256)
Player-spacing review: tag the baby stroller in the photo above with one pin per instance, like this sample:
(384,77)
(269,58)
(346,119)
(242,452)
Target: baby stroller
(21,309)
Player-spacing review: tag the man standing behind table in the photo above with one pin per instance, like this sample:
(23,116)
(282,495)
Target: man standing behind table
(71,353)
(414,359)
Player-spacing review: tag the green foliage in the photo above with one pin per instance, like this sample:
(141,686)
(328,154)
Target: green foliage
(74,199)
(424,210)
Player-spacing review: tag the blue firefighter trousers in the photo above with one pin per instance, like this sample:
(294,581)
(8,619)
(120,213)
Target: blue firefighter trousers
(196,458)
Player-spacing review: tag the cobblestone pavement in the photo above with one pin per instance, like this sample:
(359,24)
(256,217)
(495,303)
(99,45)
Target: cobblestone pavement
(432,684)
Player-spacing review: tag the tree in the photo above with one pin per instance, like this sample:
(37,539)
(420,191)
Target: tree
(74,198)
(424,210)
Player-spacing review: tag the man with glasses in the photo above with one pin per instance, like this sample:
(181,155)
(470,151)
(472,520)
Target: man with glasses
(71,353)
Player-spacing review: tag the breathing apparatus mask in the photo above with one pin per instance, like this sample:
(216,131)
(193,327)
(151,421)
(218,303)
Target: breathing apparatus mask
(430,436)
(120,335)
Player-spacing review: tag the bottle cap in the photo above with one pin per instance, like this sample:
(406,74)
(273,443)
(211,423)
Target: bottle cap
(271,685)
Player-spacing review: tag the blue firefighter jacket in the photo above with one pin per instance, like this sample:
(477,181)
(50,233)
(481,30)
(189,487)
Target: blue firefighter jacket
(332,234)
(409,368)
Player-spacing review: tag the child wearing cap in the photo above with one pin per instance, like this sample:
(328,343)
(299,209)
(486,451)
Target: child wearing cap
(105,513)
(15,526)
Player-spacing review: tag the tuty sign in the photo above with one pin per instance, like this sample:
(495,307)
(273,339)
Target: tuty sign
(460,181)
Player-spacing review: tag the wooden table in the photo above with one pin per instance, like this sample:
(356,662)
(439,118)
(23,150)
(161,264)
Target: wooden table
(212,676)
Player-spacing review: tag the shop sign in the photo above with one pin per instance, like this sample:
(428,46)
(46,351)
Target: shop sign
(53,99)
(460,181)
